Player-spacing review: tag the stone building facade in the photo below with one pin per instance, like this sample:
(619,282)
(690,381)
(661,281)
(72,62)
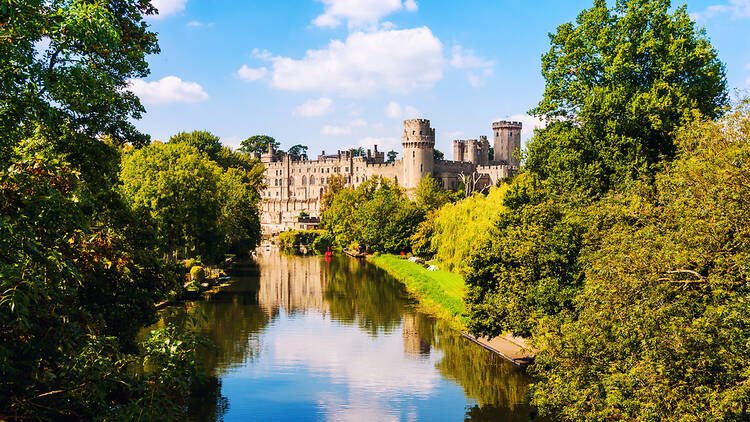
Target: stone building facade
(295,186)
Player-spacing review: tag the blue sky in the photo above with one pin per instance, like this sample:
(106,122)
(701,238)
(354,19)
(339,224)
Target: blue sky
(332,74)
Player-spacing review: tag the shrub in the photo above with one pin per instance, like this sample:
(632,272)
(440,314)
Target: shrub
(323,242)
(198,274)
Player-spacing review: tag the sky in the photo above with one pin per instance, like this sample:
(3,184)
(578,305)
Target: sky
(336,74)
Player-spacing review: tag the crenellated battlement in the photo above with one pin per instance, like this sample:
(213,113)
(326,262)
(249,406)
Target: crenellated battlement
(296,185)
(505,124)
(418,133)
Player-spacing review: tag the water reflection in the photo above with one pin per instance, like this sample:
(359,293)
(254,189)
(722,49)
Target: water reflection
(341,340)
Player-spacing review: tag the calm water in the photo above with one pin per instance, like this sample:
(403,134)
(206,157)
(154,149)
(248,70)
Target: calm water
(300,339)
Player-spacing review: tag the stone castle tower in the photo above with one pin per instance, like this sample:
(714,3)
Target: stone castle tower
(507,141)
(419,145)
(472,151)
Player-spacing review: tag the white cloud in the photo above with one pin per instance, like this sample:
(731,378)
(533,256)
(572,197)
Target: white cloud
(478,69)
(394,110)
(454,135)
(384,144)
(314,108)
(343,130)
(250,74)
(168,7)
(170,89)
(747,66)
(529,124)
(192,24)
(395,61)
(359,13)
(261,54)
(737,9)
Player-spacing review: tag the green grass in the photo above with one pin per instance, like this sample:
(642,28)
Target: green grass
(440,293)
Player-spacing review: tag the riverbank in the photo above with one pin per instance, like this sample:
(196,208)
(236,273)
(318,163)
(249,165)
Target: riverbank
(441,294)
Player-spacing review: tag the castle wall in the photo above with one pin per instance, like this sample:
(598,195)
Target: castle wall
(296,186)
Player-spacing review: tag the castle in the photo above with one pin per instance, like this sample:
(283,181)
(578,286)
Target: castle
(295,186)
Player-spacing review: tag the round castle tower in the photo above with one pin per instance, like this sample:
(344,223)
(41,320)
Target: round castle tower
(419,145)
(507,141)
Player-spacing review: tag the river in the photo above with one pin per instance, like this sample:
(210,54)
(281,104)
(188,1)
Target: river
(305,338)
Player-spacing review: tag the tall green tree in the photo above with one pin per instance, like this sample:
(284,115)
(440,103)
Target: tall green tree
(179,187)
(619,82)
(391,157)
(78,272)
(430,195)
(298,152)
(258,144)
(204,141)
(375,215)
(662,323)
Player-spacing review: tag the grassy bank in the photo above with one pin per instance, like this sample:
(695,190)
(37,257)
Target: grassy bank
(440,293)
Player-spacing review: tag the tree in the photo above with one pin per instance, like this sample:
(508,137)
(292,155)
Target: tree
(661,327)
(298,152)
(203,141)
(258,144)
(240,216)
(437,155)
(78,272)
(179,187)
(391,157)
(619,82)
(429,195)
(375,215)
(336,183)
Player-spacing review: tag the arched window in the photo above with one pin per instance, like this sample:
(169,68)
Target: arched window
(304,180)
(312,180)
(291,181)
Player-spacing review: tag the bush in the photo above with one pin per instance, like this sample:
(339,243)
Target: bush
(198,274)
(293,239)
(322,243)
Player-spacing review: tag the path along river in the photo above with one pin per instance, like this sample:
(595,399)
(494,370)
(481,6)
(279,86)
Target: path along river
(305,338)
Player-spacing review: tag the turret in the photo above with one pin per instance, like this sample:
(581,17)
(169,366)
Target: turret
(268,157)
(419,145)
(507,141)
(458,150)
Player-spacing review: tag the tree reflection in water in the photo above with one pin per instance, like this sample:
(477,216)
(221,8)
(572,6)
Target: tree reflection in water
(351,293)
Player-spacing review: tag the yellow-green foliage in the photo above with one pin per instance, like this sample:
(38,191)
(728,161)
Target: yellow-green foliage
(292,239)
(439,292)
(459,225)
(197,274)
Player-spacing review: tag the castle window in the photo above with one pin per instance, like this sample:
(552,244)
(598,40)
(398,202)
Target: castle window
(413,154)
(420,167)
(312,180)
(304,180)
(291,181)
